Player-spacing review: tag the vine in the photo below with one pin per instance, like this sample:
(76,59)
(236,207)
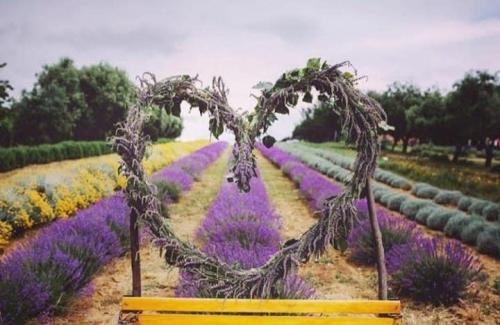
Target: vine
(360,115)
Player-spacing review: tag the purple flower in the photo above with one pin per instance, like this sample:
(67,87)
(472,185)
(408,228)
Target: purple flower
(395,231)
(186,170)
(41,276)
(432,270)
(49,270)
(241,228)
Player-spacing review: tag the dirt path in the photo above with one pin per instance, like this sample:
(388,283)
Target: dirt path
(334,277)
(331,275)
(114,281)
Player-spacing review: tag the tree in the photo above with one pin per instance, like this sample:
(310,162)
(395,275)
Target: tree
(320,124)
(70,103)
(426,119)
(162,125)
(6,116)
(396,101)
(108,93)
(473,109)
(50,112)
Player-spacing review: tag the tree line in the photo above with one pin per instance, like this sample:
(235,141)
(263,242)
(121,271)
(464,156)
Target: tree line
(468,115)
(70,103)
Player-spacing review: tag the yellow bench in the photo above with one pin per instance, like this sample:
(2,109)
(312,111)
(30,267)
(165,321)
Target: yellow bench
(151,310)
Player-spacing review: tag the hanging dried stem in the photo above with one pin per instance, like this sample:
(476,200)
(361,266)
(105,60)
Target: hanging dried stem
(360,114)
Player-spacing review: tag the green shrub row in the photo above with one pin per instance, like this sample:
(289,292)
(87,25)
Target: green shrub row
(424,190)
(20,156)
(319,163)
(470,229)
(486,209)
(380,175)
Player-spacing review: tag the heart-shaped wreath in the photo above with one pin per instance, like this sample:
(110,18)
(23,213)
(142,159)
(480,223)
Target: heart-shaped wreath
(360,115)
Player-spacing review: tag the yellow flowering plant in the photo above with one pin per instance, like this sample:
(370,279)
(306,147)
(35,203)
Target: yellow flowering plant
(39,194)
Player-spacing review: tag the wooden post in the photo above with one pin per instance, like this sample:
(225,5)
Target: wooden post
(135,255)
(377,235)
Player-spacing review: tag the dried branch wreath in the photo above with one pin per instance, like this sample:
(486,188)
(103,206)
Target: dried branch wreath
(361,116)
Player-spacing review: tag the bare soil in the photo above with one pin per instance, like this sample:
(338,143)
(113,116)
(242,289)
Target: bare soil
(114,281)
(335,277)
(332,275)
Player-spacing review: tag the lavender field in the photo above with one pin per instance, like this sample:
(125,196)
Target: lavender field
(251,162)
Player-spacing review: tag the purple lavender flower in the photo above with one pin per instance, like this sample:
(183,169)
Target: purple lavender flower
(395,231)
(432,270)
(42,275)
(45,273)
(314,186)
(186,170)
(241,228)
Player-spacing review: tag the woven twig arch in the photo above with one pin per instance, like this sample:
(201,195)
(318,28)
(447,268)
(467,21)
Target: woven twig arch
(360,115)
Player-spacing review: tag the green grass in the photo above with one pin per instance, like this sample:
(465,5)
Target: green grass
(469,181)
(338,147)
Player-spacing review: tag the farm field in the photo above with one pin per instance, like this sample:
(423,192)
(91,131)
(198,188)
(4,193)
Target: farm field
(333,276)
(473,221)
(35,195)
(59,260)
(472,180)
(249,162)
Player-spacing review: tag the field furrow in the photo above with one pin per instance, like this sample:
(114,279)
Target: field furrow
(102,304)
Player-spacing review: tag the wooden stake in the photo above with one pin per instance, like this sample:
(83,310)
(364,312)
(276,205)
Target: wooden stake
(135,255)
(379,246)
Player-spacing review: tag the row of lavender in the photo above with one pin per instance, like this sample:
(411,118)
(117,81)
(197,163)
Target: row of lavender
(42,276)
(242,228)
(429,270)
(471,229)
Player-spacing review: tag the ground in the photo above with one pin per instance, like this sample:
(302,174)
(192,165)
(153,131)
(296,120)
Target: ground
(332,275)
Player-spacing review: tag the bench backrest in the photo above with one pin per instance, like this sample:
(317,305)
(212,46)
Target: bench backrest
(152,310)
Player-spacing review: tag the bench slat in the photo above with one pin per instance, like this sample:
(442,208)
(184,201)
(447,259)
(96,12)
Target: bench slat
(260,305)
(261,320)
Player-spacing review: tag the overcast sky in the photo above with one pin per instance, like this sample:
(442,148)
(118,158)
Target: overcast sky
(430,43)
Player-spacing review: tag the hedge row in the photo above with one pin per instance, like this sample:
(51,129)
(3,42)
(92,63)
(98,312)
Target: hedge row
(20,156)
(473,230)
(380,175)
(475,206)
(470,229)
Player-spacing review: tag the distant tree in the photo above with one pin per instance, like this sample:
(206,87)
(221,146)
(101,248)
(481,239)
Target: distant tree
(320,124)
(162,125)
(396,101)
(70,103)
(6,116)
(425,120)
(51,110)
(473,109)
(5,87)
(108,93)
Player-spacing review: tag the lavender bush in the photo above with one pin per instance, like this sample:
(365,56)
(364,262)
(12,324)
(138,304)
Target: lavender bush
(242,228)
(43,275)
(432,270)
(314,186)
(395,231)
(186,170)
